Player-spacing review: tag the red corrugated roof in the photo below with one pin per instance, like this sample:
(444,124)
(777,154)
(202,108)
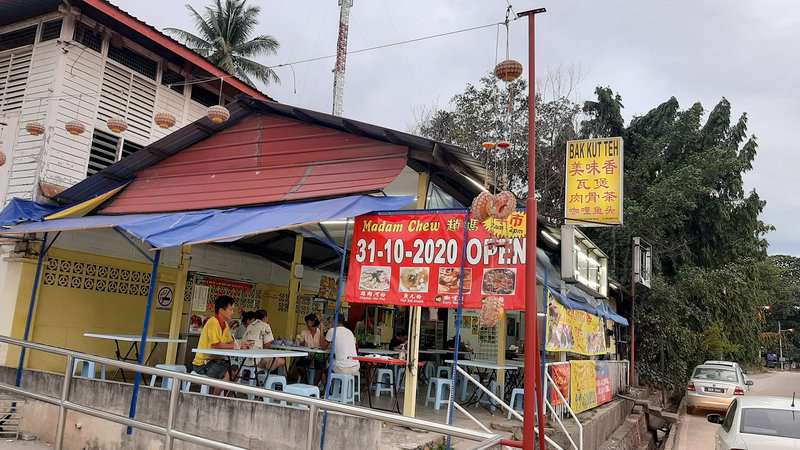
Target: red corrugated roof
(265,158)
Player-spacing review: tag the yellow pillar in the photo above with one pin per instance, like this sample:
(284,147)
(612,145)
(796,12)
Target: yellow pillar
(501,351)
(294,284)
(414,323)
(175,322)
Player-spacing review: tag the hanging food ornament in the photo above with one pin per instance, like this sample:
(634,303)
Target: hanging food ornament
(481,205)
(491,308)
(218,114)
(75,127)
(164,120)
(503,205)
(488,145)
(2,159)
(504,145)
(508,70)
(117,124)
(34,128)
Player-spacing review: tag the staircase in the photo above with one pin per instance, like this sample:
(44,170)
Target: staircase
(10,416)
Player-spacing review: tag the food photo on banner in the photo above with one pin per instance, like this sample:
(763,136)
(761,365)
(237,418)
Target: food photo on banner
(414,259)
(583,385)
(572,330)
(560,375)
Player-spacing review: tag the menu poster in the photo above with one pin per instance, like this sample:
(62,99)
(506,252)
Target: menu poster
(416,258)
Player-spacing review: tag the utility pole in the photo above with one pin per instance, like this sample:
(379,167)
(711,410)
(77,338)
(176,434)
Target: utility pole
(780,344)
(341,56)
(533,402)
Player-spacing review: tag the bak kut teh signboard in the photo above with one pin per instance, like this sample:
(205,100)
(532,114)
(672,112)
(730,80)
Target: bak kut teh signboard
(415,260)
(593,193)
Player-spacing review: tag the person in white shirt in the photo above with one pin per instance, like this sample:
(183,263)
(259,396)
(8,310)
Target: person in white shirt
(344,349)
(259,335)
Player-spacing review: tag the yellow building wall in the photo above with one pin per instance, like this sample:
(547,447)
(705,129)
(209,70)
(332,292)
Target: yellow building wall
(76,297)
(275,300)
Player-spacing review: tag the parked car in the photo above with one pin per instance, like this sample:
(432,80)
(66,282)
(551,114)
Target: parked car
(756,423)
(733,364)
(714,387)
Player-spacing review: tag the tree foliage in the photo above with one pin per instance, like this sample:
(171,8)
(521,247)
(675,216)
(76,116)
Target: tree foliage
(223,36)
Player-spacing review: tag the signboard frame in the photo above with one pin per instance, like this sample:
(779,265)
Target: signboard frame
(571,237)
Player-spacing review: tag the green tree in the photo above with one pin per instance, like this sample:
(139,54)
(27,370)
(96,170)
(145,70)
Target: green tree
(224,38)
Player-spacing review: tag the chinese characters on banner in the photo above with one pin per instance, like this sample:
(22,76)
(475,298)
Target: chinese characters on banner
(583,385)
(604,394)
(593,194)
(415,259)
(560,375)
(572,330)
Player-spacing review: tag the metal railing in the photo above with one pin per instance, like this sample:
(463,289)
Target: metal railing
(564,404)
(484,440)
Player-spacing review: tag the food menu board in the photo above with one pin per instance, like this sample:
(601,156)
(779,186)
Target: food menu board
(415,259)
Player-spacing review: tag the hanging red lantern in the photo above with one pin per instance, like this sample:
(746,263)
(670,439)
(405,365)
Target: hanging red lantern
(504,145)
(34,128)
(218,114)
(481,205)
(503,205)
(75,127)
(164,120)
(117,124)
(488,145)
(508,70)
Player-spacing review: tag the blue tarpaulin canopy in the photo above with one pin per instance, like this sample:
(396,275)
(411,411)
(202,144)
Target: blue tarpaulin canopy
(19,211)
(219,225)
(573,301)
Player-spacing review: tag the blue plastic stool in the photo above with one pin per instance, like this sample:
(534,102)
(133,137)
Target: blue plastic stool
(440,398)
(516,394)
(272,384)
(187,385)
(87,369)
(306,390)
(342,388)
(166,382)
(382,385)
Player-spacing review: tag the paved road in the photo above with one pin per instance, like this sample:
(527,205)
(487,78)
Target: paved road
(697,433)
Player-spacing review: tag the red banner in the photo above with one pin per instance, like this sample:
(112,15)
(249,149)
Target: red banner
(415,259)
(604,394)
(560,375)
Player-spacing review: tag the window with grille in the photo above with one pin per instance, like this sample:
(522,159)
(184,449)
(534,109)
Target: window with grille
(204,96)
(133,60)
(128,95)
(88,37)
(103,152)
(14,70)
(169,77)
(17,38)
(51,30)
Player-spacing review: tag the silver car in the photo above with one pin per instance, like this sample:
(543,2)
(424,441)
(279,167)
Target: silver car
(714,386)
(759,423)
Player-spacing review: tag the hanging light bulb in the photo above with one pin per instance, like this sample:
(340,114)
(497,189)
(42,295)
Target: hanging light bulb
(75,127)
(218,114)
(34,128)
(164,120)
(117,124)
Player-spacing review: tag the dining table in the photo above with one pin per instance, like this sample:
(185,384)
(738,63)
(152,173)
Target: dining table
(253,354)
(133,340)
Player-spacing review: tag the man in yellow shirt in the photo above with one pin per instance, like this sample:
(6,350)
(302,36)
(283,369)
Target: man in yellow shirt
(216,334)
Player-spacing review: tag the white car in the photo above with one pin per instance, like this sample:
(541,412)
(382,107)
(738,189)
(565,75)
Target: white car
(759,423)
(714,386)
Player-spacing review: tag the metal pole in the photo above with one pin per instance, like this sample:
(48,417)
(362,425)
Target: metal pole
(459,318)
(632,367)
(143,341)
(339,295)
(173,407)
(31,308)
(780,344)
(533,376)
(312,424)
(62,410)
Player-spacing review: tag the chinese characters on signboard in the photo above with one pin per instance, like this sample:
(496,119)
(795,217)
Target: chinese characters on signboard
(593,194)
(415,259)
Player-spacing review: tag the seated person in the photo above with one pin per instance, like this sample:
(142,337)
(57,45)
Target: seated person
(310,337)
(399,342)
(216,334)
(462,348)
(344,349)
(259,335)
(238,330)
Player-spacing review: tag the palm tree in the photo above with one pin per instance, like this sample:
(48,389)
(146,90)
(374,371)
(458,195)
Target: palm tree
(222,38)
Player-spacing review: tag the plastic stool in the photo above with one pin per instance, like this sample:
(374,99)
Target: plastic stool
(439,399)
(464,386)
(429,369)
(444,372)
(251,380)
(516,394)
(166,382)
(312,376)
(488,400)
(187,385)
(342,388)
(272,384)
(384,386)
(87,369)
(306,390)
(357,393)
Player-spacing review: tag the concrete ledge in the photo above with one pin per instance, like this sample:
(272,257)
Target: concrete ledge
(249,424)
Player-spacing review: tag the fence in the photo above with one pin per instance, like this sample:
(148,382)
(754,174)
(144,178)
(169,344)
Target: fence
(168,431)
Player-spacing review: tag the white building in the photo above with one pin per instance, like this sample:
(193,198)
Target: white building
(89,62)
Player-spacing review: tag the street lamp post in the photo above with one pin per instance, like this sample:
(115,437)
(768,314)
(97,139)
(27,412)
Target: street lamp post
(780,342)
(534,400)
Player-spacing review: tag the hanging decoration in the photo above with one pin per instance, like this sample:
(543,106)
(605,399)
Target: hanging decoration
(491,308)
(2,158)
(164,120)
(75,127)
(34,128)
(508,70)
(481,206)
(218,114)
(117,124)
(503,205)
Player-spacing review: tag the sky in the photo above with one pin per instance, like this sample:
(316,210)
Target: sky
(647,51)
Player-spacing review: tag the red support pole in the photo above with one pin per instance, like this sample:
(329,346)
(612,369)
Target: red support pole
(533,370)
